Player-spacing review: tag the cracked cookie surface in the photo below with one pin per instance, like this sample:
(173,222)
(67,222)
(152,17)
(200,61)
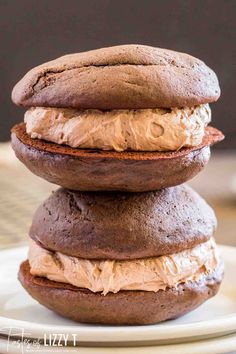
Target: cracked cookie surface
(135,76)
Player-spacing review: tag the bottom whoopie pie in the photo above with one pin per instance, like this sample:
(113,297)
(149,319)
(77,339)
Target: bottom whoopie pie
(122,258)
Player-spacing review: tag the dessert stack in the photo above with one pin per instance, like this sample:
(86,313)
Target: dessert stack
(120,129)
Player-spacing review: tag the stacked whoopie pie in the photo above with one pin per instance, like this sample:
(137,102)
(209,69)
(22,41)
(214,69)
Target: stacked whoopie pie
(104,124)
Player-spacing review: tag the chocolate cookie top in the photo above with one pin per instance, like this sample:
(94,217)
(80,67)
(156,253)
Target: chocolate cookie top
(116,225)
(125,76)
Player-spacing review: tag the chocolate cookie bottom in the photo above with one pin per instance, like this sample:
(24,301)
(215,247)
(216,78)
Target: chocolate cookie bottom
(96,170)
(124,307)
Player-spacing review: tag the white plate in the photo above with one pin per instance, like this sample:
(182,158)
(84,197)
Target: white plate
(18,312)
(222,345)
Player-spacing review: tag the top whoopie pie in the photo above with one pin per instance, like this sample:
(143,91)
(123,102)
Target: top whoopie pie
(128,117)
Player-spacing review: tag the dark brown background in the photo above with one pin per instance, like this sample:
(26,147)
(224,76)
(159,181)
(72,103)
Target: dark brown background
(34,31)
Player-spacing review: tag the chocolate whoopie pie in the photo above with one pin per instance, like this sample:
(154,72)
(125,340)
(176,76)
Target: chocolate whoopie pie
(129,118)
(92,255)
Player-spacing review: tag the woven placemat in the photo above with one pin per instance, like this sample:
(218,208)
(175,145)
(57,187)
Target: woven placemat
(20,194)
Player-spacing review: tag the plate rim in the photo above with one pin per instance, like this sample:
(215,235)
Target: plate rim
(218,345)
(92,333)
